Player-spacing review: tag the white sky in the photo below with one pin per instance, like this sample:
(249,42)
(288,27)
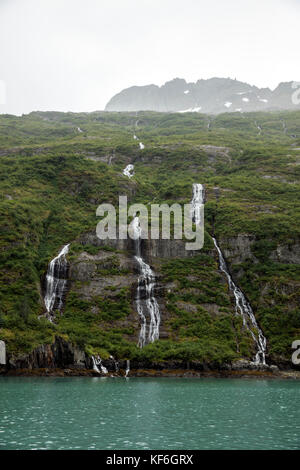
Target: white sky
(74,55)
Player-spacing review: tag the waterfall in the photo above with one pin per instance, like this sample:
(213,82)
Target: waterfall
(127,368)
(284,127)
(56,282)
(141,145)
(145,298)
(258,127)
(97,361)
(2,353)
(128,171)
(95,368)
(243,308)
(196,202)
(116,364)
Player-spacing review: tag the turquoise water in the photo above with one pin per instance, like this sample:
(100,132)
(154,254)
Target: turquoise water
(136,413)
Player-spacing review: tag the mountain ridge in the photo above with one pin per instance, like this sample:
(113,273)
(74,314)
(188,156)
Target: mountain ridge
(213,96)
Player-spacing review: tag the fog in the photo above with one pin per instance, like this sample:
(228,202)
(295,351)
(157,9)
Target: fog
(72,55)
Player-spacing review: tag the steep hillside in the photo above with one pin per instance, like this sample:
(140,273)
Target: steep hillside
(56,168)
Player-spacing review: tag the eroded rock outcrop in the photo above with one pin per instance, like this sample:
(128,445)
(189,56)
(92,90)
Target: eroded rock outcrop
(289,254)
(238,249)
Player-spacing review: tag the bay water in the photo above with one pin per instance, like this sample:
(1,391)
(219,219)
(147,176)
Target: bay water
(148,413)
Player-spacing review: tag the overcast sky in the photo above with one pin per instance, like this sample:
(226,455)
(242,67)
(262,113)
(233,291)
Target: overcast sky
(74,55)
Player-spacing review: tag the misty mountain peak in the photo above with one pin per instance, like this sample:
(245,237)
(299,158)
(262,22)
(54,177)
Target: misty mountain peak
(214,95)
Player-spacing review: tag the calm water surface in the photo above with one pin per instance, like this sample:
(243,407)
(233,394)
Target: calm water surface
(136,413)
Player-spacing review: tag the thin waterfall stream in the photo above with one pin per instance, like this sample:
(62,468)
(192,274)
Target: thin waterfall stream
(146,302)
(56,282)
(243,308)
(127,368)
(197,202)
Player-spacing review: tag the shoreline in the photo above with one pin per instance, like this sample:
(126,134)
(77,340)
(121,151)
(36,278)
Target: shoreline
(152,373)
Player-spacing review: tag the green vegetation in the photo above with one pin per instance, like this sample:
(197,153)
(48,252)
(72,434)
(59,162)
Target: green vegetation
(52,178)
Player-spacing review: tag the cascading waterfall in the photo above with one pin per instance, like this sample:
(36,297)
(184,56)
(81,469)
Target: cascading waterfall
(129,171)
(284,127)
(56,282)
(196,202)
(127,368)
(116,364)
(258,127)
(145,299)
(97,361)
(141,145)
(95,368)
(243,308)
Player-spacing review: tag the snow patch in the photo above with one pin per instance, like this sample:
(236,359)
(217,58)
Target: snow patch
(227,104)
(186,92)
(246,100)
(263,100)
(191,110)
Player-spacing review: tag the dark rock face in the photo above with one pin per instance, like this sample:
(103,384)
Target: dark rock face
(151,249)
(287,254)
(60,354)
(238,249)
(214,96)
